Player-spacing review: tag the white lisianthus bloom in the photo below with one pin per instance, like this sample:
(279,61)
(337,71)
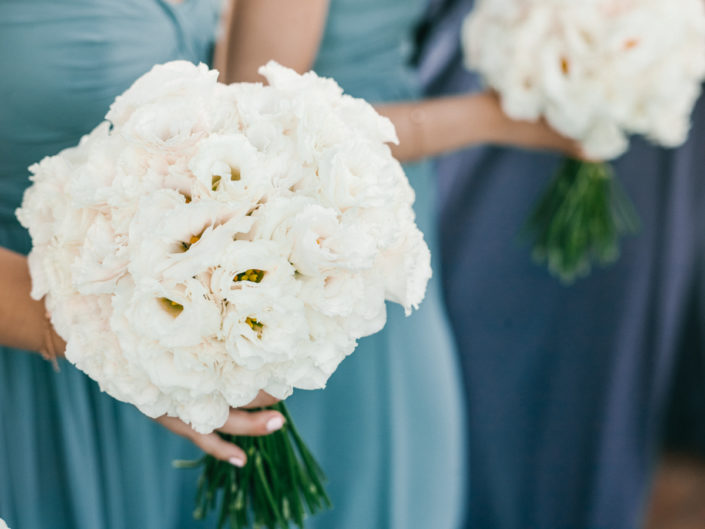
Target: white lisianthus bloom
(575,63)
(262,327)
(405,267)
(308,233)
(208,242)
(248,264)
(176,80)
(330,344)
(3,525)
(229,168)
(356,300)
(349,177)
(167,232)
(102,259)
(92,170)
(263,318)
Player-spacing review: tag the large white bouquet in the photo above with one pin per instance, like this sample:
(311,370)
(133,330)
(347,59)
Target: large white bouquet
(207,241)
(597,71)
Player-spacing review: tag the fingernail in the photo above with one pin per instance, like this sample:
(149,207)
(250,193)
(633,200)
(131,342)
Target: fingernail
(237,462)
(275,423)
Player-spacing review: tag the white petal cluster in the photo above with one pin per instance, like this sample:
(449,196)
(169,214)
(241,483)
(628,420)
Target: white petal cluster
(597,70)
(208,241)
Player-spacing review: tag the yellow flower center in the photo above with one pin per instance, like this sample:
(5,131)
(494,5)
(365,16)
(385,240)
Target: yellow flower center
(193,240)
(255,326)
(234,176)
(171,306)
(253,275)
(215,181)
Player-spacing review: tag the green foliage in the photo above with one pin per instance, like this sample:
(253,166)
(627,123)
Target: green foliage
(279,484)
(579,220)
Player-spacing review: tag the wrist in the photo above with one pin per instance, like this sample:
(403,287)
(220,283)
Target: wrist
(52,345)
(499,128)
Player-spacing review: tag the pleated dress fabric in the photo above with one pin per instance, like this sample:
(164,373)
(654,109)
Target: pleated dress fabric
(72,457)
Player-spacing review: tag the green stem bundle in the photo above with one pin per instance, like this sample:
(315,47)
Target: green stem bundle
(580,219)
(279,484)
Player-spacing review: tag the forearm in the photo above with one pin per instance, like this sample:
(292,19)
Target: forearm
(23,320)
(435,126)
(261,30)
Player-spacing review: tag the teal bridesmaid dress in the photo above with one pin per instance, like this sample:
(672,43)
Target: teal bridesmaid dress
(388,429)
(70,456)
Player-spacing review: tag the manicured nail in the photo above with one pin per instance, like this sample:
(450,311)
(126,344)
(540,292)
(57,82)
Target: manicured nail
(275,423)
(237,461)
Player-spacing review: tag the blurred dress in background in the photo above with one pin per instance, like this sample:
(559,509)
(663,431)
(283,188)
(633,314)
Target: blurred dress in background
(568,387)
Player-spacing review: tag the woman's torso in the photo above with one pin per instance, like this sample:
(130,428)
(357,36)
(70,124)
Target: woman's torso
(70,456)
(367,47)
(388,429)
(63,62)
(66,61)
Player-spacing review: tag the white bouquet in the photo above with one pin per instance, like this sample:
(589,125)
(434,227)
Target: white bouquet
(597,71)
(207,242)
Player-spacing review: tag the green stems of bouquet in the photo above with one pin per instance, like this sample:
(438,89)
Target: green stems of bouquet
(279,484)
(580,219)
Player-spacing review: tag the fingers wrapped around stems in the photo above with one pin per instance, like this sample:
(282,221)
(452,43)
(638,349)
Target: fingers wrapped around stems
(239,422)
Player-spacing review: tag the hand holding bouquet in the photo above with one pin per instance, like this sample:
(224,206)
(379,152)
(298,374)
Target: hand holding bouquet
(208,242)
(597,71)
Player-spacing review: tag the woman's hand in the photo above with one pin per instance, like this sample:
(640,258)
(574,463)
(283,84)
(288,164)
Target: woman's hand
(52,345)
(240,422)
(435,126)
(531,135)
(24,323)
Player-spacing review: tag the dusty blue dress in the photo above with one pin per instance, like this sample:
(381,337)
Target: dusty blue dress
(568,387)
(388,428)
(70,456)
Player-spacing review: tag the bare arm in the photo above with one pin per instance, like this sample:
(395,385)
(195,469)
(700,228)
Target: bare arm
(23,320)
(434,126)
(288,31)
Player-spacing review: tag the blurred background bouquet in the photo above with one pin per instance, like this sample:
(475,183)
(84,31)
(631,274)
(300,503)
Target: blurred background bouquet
(596,71)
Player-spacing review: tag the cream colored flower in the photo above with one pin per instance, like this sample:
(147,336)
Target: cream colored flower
(209,242)
(597,70)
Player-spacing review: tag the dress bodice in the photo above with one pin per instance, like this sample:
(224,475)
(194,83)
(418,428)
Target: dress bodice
(70,456)
(367,46)
(64,62)
(90,462)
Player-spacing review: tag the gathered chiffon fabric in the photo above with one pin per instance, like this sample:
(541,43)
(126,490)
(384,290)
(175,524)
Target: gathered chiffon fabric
(387,430)
(72,457)
(569,387)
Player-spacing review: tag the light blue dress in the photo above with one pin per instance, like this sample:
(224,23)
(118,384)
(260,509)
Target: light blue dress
(70,456)
(388,430)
